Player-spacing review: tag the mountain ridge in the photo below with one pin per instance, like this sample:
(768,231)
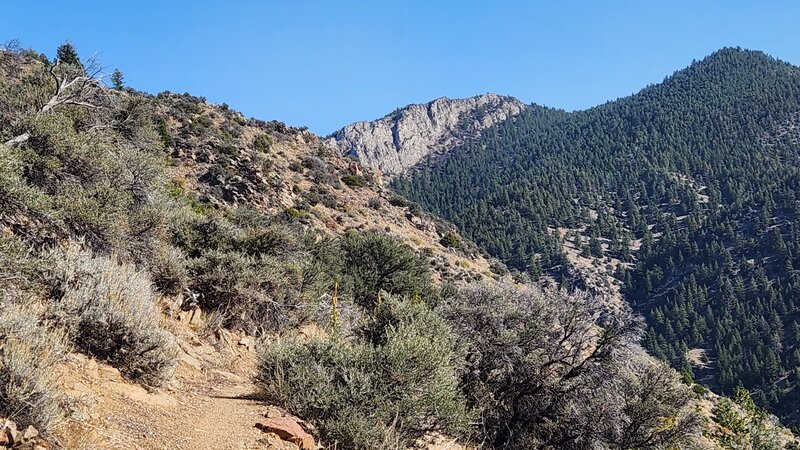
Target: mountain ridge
(396,142)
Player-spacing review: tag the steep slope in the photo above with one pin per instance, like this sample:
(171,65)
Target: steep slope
(397,142)
(691,183)
(228,161)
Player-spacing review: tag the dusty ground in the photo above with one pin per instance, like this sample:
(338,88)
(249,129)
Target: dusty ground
(211,402)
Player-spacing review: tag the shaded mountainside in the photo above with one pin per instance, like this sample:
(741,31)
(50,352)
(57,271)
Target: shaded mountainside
(397,142)
(166,260)
(692,183)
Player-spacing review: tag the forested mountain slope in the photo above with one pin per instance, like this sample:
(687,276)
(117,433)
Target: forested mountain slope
(693,182)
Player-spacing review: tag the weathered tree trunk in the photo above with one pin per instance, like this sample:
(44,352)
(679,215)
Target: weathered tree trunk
(18,139)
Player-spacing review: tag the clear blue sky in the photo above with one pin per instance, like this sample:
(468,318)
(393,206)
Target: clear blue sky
(324,64)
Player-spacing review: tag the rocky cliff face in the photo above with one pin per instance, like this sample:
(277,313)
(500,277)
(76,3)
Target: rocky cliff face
(403,138)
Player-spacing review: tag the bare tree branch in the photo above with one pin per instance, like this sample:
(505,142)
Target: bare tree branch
(73,85)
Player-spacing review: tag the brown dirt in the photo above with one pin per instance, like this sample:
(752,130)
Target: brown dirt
(211,403)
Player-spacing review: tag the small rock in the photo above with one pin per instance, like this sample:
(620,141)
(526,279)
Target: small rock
(355,169)
(197,317)
(272,412)
(289,431)
(12,435)
(110,373)
(190,361)
(272,441)
(248,342)
(30,433)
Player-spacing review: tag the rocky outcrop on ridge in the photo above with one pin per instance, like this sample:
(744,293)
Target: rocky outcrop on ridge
(400,140)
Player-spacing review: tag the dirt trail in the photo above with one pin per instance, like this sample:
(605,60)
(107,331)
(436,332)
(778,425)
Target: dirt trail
(211,403)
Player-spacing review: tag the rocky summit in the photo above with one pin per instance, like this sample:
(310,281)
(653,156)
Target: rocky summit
(400,140)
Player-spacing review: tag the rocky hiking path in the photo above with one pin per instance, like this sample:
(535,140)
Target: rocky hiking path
(211,403)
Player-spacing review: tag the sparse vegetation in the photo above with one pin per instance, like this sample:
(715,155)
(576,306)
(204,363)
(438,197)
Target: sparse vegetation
(353,180)
(450,240)
(261,143)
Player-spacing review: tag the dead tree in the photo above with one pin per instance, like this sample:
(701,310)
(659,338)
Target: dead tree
(73,85)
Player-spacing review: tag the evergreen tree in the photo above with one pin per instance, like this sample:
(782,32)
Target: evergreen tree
(117,80)
(66,54)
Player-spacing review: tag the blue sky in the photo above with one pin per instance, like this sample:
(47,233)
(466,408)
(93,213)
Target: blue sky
(324,64)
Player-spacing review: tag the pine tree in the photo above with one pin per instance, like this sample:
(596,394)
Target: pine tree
(117,80)
(66,54)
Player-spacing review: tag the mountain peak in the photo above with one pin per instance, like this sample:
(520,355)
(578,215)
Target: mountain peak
(401,139)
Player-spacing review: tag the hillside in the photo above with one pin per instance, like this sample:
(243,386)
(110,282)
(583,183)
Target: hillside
(690,183)
(175,275)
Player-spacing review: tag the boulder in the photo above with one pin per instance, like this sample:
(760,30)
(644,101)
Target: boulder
(288,430)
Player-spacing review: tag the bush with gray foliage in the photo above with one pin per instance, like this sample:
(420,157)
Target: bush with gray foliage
(108,309)
(29,351)
(545,370)
(389,386)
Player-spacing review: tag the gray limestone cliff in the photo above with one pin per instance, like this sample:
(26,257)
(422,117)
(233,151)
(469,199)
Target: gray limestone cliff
(400,140)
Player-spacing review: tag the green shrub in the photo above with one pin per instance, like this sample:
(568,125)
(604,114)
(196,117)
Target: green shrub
(295,214)
(657,410)
(399,201)
(19,267)
(262,143)
(109,311)
(181,196)
(353,180)
(267,240)
(169,271)
(256,293)
(15,193)
(534,361)
(374,262)
(194,233)
(203,121)
(699,389)
(318,194)
(29,352)
(95,189)
(450,240)
(163,134)
(397,382)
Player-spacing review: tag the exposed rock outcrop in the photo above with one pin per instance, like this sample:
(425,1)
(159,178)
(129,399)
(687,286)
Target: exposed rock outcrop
(400,140)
